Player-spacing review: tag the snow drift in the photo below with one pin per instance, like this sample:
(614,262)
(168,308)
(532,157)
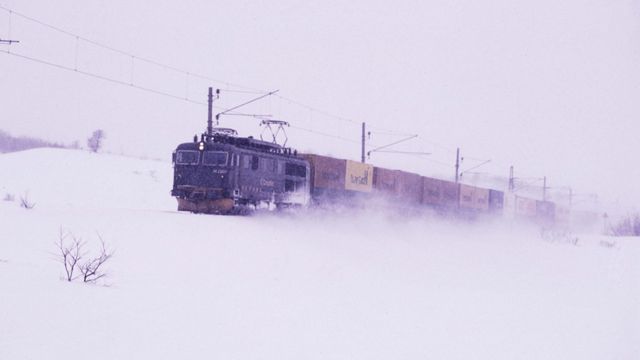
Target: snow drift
(312,286)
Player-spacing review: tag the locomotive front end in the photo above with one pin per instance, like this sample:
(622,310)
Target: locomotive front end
(203,177)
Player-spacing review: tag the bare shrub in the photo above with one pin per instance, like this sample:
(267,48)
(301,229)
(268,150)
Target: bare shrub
(92,270)
(71,253)
(628,226)
(9,197)
(78,264)
(26,203)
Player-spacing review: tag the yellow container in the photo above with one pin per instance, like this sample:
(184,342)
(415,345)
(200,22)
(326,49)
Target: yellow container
(359,177)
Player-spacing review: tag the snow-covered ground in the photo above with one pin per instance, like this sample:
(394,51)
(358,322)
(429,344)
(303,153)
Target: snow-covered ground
(311,286)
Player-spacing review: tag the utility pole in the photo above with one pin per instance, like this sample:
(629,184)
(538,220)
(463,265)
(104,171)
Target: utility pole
(363,140)
(512,184)
(544,189)
(457,164)
(210,118)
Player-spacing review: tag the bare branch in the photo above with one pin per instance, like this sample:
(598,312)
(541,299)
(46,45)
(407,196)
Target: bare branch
(92,268)
(70,253)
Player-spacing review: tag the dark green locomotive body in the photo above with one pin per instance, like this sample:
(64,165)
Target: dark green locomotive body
(228,174)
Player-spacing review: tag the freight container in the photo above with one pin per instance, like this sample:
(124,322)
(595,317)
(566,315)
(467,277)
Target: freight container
(496,201)
(474,198)
(450,194)
(432,192)
(327,172)
(439,194)
(359,177)
(384,181)
(409,187)
(525,207)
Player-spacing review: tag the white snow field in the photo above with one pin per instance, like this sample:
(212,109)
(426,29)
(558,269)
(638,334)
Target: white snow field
(309,286)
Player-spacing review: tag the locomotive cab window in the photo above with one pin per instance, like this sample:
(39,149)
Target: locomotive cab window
(187,157)
(295,170)
(215,158)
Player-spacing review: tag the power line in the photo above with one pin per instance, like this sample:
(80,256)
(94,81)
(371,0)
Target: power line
(326,134)
(102,77)
(416,153)
(391,133)
(311,108)
(128,54)
(436,144)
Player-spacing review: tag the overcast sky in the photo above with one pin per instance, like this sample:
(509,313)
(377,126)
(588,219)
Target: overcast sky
(550,87)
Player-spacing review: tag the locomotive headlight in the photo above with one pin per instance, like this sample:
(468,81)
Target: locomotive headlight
(201,146)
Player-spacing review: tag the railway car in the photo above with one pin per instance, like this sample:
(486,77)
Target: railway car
(410,188)
(496,202)
(385,183)
(338,180)
(223,173)
(473,201)
(398,189)
(525,208)
(441,195)
(401,188)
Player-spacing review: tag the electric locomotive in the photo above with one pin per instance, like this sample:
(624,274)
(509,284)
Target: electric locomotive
(222,173)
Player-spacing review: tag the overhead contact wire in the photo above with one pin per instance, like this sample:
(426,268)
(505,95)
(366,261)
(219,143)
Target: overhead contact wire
(105,78)
(125,53)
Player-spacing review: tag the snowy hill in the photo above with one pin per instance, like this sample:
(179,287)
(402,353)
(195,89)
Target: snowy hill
(309,286)
(73,178)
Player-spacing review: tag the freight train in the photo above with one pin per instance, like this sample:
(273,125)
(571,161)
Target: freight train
(222,173)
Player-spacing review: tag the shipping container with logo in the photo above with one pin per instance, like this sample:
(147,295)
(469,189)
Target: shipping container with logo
(359,177)
(473,198)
